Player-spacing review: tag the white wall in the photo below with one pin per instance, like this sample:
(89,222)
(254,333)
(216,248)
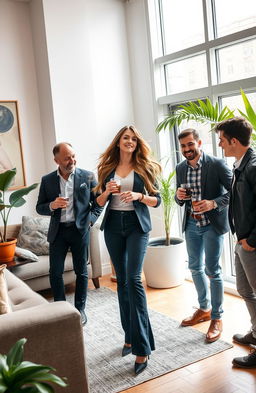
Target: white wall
(140,58)
(18,82)
(43,82)
(89,73)
(80,70)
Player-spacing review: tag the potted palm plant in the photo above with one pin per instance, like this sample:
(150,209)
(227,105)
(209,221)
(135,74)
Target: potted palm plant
(17,376)
(7,246)
(164,261)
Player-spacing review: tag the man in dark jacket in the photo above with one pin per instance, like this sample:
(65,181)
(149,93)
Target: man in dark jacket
(66,195)
(234,135)
(204,225)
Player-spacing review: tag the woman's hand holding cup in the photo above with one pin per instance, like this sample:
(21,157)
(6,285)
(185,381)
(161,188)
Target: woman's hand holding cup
(114,186)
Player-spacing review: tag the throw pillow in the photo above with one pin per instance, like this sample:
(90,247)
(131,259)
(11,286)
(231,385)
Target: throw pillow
(4,302)
(33,234)
(25,254)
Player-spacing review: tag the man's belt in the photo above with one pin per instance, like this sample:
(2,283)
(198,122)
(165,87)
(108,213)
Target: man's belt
(68,224)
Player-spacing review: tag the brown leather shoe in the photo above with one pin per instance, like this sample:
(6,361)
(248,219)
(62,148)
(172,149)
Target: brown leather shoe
(198,316)
(214,331)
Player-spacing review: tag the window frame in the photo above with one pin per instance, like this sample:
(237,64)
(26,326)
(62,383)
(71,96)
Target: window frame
(215,90)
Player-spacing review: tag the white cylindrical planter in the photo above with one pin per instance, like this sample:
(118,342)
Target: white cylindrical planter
(164,266)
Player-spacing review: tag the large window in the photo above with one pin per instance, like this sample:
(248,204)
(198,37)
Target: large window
(203,48)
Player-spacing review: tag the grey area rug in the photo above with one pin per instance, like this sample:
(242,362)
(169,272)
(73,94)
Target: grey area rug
(108,372)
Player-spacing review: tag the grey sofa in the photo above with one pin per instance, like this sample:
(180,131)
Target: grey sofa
(53,331)
(36,274)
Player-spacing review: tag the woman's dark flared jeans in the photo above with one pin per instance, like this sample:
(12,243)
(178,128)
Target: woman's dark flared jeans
(127,246)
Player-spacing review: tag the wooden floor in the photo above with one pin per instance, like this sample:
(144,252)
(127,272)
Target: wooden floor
(214,374)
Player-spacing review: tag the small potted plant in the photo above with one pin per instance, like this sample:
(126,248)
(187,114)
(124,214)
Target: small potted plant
(164,265)
(7,246)
(17,376)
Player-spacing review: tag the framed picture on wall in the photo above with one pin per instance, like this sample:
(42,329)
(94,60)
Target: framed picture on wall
(11,155)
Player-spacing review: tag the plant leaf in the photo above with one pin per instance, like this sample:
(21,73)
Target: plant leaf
(3,388)
(16,197)
(6,179)
(15,355)
(203,112)
(3,363)
(42,388)
(54,379)
(250,113)
(28,370)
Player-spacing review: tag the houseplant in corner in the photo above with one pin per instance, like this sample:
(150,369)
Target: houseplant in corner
(7,246)
(17,376)
(164,265)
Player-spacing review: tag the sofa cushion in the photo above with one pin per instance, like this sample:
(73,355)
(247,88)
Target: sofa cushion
(4,301)
(20,295)
(25,254)
(33,234)
(39,269)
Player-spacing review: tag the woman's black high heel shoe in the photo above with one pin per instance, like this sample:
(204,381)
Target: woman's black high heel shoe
(126,350)
(139,367)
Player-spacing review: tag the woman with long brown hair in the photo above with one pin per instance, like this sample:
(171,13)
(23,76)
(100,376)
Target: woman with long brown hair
(126,225)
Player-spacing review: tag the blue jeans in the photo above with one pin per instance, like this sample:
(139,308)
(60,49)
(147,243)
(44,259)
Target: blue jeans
(127,246)
(206,242)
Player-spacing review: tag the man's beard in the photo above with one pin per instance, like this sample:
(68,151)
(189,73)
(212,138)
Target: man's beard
(192,154)
(69,168)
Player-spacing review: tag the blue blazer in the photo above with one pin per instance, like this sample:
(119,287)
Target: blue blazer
(86,209)
(141,209)
(216,180)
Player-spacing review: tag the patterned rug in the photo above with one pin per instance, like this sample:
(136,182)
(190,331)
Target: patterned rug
(109,372)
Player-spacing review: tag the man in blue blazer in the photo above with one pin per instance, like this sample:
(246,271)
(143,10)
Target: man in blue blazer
(66,195)
(205,221)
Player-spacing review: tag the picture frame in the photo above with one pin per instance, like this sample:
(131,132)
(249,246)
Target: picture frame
(11,152)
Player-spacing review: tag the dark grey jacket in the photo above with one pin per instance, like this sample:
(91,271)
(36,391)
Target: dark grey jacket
(215,185)
(242,208)
(85,207)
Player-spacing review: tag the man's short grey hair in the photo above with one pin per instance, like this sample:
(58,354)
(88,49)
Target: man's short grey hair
(56,148)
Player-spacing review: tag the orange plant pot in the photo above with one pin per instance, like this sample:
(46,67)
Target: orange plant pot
(7,250)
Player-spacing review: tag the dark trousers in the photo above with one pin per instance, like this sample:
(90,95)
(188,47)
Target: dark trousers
(69,237)
(127,245)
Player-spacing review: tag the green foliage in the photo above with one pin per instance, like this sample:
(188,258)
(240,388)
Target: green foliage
(167,192)
(15,199)
(208,113)
(203,112)
(18,376)
(250,115)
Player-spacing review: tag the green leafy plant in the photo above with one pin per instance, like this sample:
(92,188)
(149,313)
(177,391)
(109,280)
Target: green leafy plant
(206,112)
(203,112)
(250,115)
(15,199)
(18,376)
(167,192)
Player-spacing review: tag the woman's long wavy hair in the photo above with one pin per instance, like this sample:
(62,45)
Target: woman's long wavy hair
(142,161)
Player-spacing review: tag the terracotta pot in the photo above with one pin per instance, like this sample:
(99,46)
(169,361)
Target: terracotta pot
(7,250)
